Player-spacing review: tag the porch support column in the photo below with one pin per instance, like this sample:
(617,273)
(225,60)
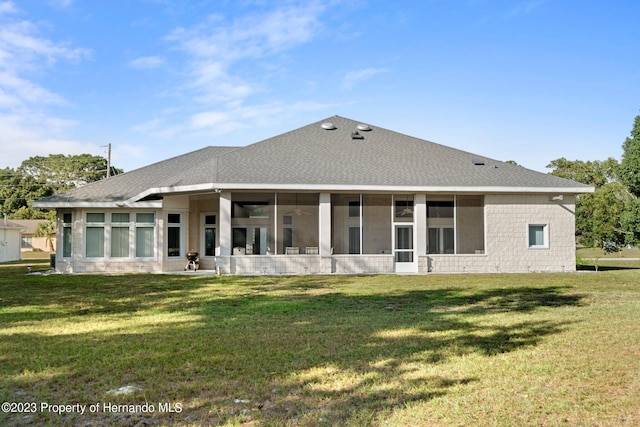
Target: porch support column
(225,223)
(324,232)
(420,219)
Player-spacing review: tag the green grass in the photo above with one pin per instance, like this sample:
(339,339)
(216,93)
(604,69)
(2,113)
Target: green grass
(528,349)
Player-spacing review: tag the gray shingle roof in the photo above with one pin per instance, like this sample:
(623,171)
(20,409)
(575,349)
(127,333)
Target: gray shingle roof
(313,156)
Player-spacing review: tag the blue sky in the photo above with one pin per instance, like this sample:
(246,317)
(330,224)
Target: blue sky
(529,80)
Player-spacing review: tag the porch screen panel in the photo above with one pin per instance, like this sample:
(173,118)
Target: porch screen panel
(376,224)
(440,224)
(344,209)
(298,221)
(470,224)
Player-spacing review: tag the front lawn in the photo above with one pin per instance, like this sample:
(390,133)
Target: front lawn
(527,349)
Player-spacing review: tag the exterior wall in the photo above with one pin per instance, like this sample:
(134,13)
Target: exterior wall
(507,218)
(78,263)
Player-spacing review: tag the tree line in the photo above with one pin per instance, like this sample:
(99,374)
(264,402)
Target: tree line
(608,218)
(42,176)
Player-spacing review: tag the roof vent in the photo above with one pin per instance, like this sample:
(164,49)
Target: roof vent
(356,135)
(364,127)
(327,126)
(478,162)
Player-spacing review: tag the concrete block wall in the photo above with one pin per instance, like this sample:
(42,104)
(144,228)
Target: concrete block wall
(362,264)
(507,220)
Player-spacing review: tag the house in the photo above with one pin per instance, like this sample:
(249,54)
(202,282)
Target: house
(29,241)
(10,236)
(335,196)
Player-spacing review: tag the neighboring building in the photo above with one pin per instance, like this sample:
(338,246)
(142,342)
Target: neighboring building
(10,241)
(29,241)
(335,196)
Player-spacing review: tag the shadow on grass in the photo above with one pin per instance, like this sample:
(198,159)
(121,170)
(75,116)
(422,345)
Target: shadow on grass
(631,266)
(273,350)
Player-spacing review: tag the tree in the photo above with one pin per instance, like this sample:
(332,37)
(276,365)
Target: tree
(66,172)
(594,173)
(598,215)
(17,192)
(47,229)
(630,165)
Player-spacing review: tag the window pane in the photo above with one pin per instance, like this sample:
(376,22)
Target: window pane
(240,239)
(174,219)
(119,242)
(66,218)
(173,239)
(144,242)
(95,242)
(148,218)
(210,219)
(404,238)
(287,237)
(404,209)
(434,240)
(119,217)
(209,242)
(95,217)
(354,240)
(536,235)
(66,242)
(447,240)
(354,209)
(440,209)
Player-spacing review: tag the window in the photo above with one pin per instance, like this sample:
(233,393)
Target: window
(440,209)
(27,242)
(174,233)
(250,210)
(404,210)
(354,240)
(441,240)
(94,235)
(209,235)
(354,209)
(538,236)
(145,242)
(66,235)
(120,235)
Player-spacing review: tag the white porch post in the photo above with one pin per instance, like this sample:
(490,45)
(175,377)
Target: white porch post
(420,219)
(324,232)
(225,223)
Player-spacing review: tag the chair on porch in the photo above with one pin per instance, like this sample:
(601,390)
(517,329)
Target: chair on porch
(292,250)
(311,250)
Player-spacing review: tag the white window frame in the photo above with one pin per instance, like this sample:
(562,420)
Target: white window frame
(181,227)
(100,224)
(545,234)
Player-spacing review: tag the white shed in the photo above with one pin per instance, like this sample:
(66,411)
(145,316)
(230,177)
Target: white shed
(10,239)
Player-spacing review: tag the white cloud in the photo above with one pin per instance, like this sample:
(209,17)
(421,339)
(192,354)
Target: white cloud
(7,7)
(27,127)
(147,62)
(215,47)
(526,7)
(355,76)
(22,138)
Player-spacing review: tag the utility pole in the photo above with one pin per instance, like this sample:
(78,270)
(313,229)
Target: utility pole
(109,161)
